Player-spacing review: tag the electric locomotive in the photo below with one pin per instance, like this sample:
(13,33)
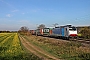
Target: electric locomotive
(65,32)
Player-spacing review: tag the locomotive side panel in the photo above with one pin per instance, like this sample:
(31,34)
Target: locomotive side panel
(66,33)
(56,32)
(62,32)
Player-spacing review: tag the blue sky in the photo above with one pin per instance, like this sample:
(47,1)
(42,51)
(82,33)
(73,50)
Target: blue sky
(31,13)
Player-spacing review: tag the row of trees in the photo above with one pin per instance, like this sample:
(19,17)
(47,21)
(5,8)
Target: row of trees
(8,31)
(4,31)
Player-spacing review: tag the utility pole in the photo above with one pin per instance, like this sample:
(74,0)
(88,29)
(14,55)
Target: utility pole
(36,29)
(55,24)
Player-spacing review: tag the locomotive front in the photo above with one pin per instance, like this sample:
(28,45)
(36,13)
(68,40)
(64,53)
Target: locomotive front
(72,31)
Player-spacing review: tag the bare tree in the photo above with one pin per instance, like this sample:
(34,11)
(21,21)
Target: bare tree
(24,30)
(41,26)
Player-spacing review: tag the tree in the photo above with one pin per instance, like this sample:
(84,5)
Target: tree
(41,26)
(24,30)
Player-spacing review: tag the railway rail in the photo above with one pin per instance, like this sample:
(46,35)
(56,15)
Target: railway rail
(86,41)
(81,40)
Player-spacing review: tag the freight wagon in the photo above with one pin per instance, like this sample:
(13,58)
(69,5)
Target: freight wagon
(44,31)
(47,31)
(39,32)
(33,32)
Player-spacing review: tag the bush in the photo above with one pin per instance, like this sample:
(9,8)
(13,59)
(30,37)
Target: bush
(85,32)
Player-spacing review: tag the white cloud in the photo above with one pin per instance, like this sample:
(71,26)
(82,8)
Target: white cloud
(8,15)
(15,10)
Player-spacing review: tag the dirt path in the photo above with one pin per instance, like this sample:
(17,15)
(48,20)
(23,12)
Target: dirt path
(36,50)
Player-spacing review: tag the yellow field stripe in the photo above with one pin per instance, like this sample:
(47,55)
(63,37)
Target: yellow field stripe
(5,40)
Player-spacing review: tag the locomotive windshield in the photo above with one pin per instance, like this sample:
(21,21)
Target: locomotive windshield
(72,28)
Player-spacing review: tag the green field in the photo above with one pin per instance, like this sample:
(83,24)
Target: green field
(12,49)
(61,49)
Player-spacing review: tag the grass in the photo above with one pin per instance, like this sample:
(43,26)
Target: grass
(36,50)
(60,49)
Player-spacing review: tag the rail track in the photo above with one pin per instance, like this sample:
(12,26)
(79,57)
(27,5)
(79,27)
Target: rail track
(81,40)
(85,43)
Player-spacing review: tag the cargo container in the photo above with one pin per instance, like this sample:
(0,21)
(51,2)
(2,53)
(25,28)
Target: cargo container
(47,31)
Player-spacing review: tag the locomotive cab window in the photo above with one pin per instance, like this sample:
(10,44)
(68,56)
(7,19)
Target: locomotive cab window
(72,28)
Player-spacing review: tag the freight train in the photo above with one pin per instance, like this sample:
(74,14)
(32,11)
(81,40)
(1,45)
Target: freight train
(65,32)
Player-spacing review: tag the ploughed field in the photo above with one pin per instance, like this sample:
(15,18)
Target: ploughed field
(14,46)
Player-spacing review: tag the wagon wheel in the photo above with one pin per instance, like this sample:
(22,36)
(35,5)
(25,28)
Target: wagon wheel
(72,38)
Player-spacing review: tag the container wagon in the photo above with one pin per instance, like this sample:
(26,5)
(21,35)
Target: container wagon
(47,31)
(39,32)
